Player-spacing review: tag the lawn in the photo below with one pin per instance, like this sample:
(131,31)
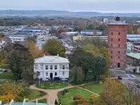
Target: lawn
(54,85)
(96,88)
(34,94)
(42,101)
(67,99)
(8,75)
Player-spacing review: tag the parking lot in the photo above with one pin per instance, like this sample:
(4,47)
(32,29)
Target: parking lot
(128,79)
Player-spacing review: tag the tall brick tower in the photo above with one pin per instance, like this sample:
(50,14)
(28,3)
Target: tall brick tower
(117,40)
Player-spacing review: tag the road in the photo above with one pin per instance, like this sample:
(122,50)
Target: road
(128,79)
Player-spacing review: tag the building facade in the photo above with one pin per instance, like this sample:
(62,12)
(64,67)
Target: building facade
(51,67)
(117,42)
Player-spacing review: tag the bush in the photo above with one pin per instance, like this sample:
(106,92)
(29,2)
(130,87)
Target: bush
(56,103)
(93,99)
(64,92)
(79,100)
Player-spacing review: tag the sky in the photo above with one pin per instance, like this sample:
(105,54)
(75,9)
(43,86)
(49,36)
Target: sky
(106,6)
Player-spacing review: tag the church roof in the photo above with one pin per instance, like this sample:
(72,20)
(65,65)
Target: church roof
(51,59)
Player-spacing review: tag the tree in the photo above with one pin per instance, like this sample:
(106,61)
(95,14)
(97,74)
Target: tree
(92,66)
(116,93)
(91,27)
(56,102)
(79,100)
(77,75)
(10,90)
(100,67)
(20,62)
(54,47)
(33,49)
(98,51)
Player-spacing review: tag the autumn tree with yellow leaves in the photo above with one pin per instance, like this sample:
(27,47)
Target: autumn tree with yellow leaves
(10,90)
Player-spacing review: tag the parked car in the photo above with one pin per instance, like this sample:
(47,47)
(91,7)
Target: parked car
(138,85)
(120,77)
(4,70)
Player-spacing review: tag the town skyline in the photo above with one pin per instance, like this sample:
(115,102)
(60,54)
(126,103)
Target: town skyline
(106,6)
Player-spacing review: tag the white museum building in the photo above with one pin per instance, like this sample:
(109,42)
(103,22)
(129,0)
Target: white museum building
(51,67)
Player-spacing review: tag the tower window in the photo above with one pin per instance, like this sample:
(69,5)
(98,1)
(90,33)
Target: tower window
(118,45)
(111,52)
(111,39)
(119,33)
(118,52)
(111,33)
(118,57)
(111,57)
(119,39)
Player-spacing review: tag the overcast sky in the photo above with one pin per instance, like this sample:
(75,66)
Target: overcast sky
(73,5)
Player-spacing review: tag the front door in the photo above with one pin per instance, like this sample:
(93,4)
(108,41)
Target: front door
(118,65)
(51,75)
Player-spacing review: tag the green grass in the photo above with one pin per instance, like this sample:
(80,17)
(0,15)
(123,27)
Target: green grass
(42,101)
(8,75)
(67,99)
(34,94)
(96,88)
(55,85)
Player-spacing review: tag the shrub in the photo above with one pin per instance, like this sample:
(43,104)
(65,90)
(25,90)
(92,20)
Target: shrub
(79,100)
(64,92)
(56,103)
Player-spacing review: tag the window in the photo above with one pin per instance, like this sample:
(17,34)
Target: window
(118,52)
(55,73)
(67,67)
(111,57)
(111,45)
(118,45)
(63,73)
(38,74)
(51,67)
(46,67)
(36,66)
(63,67)
(41,66)
(55,67)
(111,33)
(118,57)
(119,39)
(111,52)
(119,33)
(111,39)
(46,73)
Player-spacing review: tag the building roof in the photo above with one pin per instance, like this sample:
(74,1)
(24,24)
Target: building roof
(134,55)
(51,59)
(117,23)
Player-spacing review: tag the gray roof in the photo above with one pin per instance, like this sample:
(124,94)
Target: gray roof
(134,55)
(51,59)
(117,23)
